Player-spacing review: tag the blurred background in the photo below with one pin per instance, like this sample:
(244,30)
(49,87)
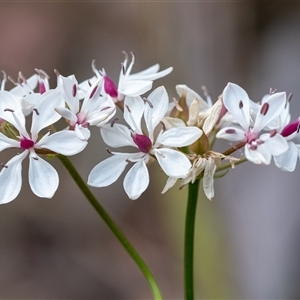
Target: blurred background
(248,241)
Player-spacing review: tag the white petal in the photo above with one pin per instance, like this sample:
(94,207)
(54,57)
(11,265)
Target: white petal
(149,71)
(259,156)
(92,96)
(11,178)
(275,144)
(236,101)
(6,142)
(232,133)
(68,86)
(135,88)
(67,114)
(276,103)
(174,163)
(46,114)
(153,115)
(117,136)
(136,180)
(133,112)
(107,171)
(82,132)
(43,178)
(179,137)
(64,142)
(288,160)
(169,184)
(8,101)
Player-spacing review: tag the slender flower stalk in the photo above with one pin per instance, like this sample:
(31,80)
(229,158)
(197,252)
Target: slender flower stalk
(112,226)
(189,240)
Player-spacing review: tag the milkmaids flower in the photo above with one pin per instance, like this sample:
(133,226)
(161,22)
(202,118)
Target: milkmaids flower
(43,178)
(259,148)
(173,162)
(129,84)
(24,89)
(95,110)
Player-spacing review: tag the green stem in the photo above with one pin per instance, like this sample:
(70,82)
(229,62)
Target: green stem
(189,240)
(112,225)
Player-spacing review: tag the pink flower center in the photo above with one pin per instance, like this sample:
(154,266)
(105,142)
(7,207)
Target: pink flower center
(26,143)
(81,120)
(143,142)
(110,87)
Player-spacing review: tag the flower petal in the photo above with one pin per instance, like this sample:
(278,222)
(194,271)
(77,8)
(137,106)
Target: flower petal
(64,142)
(259,156)
(275,144)
(288,160)
(8,101)
(169,184)
(174,163)
(236,101)
(136,180)
(117,136)
(135,88)
(179,137)
(208,178)
(107,171)
(68,87)
(232,133)
(272,107)
(159,105)
(6,142)
(11,178)
(133,112)
(67,114)
(43,178)
(46,114)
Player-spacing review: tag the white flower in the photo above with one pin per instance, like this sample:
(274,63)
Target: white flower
(129,84)
(24,89)
(43,178)
(173,162)
(95,110)
(259,149)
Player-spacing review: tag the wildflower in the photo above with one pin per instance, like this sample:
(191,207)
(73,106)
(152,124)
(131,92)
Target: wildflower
(259,149)
(43,178)
(24,89)
(95,110)
(173,162)
(132,85)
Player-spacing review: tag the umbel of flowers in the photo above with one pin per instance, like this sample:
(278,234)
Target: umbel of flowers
(178,135)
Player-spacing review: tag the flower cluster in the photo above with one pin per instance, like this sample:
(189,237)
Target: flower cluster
(178,135)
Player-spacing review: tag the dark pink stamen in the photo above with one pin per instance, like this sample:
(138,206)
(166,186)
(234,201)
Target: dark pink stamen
(290,128)
(110,87)
(74,90)
(241,104)
(264,109)
(26,143)
(143,142)
(230,131)
(93,91)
